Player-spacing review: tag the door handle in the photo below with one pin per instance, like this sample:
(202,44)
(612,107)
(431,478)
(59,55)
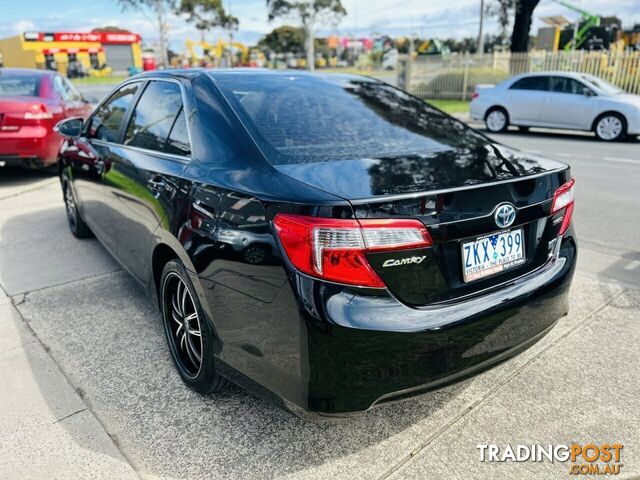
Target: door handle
(157,185)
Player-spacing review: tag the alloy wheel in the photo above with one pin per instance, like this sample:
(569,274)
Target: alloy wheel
(254,255)
(183,325)
(70,205)
(609,128)
(496,120)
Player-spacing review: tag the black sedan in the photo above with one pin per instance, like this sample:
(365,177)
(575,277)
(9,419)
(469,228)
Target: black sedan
(328,242)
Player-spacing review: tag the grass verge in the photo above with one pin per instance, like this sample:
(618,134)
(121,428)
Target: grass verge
(450,106)
(99,80)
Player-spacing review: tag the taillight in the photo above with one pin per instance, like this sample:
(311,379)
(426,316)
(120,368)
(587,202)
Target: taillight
(564,198)
(37,111)
(474,95)
(334,249)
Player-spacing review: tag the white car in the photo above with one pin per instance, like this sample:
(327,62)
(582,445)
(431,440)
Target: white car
(574,101)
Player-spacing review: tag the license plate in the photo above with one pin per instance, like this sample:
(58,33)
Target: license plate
(492,254)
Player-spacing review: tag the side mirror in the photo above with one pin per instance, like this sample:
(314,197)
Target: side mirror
(587,92)
(69,127)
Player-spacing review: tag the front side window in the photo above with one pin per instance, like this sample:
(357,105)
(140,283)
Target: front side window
(106,122)
(154,116)
(531,83)
(566,85)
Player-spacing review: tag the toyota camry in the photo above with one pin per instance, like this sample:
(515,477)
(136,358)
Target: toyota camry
(328,242)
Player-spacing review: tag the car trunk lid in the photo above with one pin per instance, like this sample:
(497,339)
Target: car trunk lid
(455,194)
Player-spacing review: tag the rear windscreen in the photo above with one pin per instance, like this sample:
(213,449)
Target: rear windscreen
(19,85)
(303,118)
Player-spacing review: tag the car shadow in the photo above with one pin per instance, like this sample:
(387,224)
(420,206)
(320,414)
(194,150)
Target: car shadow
(108,339)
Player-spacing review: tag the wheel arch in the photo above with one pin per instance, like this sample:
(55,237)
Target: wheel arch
(597,118)
(166,247)
(497,106)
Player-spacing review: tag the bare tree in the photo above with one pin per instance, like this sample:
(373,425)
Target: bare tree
(522,10)
(156,10)
(522,25)
(311,14)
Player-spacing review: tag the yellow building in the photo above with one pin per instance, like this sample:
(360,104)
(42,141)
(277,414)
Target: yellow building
(118,50)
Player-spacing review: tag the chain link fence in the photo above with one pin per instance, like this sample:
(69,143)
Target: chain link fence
(456,76)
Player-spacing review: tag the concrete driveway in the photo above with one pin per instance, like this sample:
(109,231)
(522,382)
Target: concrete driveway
(89,390)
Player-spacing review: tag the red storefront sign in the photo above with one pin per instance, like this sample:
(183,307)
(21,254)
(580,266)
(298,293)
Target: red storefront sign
(122,38)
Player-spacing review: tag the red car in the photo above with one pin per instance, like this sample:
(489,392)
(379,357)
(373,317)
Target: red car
(31,103)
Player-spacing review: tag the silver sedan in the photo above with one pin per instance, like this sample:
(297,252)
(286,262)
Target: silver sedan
(573,101)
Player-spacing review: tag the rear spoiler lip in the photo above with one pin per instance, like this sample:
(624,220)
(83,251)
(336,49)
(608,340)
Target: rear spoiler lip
(407,196)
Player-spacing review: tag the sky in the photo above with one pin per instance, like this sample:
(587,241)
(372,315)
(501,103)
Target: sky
(426,18)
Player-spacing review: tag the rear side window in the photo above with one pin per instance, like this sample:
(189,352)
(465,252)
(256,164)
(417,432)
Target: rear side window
(154,116)
(19,85)
(178,142)
(531,83)
(105,124)
(566,85)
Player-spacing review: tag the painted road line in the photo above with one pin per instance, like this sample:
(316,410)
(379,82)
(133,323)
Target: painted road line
(622,160)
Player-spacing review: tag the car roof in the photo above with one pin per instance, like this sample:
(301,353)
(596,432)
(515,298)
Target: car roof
(242,71)
(33,71)
(552,73)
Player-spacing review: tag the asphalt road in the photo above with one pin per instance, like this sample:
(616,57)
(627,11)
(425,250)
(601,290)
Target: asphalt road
(607,214)
(89,390)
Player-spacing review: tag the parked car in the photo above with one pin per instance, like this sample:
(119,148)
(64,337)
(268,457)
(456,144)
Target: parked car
(31,103)
(573,101)
(406,250)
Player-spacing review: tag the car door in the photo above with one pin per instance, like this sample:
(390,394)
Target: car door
(90,157)
(568,104)
(524,97)
(144,174)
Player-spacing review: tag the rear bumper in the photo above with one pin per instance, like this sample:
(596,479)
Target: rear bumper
(319,349)
(35,146)
(477,110)
(415,350)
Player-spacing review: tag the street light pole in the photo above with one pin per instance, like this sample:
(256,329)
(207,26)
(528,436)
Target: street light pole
(480,33)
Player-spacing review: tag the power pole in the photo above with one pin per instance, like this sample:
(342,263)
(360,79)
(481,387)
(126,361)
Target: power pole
(480,33)
(162,31)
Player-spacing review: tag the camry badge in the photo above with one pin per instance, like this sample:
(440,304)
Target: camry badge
(505,215)
(392,262)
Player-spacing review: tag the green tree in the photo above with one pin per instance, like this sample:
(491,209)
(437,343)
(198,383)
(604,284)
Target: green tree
(207,14)
(283,40)
(310,14)
(156,10)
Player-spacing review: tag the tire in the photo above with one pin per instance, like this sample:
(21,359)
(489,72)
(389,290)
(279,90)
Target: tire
(189,335)
(255,254)
(78,228)
(496,120)
(610,127)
